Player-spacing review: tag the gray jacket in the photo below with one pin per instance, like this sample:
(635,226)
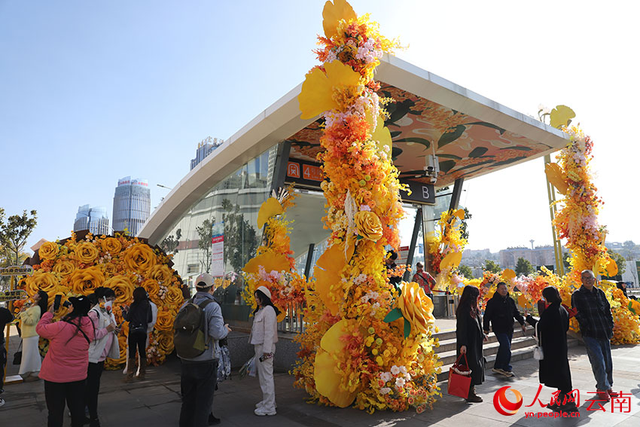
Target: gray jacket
(214,326)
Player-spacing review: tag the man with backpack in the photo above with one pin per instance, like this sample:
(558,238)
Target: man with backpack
(197,327)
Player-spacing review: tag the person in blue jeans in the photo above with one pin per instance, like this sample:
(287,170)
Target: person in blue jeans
(500,312)
(596,325)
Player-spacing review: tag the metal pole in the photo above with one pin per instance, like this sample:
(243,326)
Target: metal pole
(307,266)
(414,238)
(455,195)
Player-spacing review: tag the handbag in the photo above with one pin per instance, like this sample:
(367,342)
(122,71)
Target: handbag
(538,353)
(224,362)
(459,378)
(17,356)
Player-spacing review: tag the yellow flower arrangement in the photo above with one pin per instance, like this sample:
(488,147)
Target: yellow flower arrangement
(347,345)
(77,266)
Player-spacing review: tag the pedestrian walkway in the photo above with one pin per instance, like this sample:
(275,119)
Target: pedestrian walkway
(156,401)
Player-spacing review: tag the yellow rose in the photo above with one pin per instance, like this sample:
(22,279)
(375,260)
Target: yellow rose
(173,297)
(41,281)
(165,320)
(368,225)
(64,268)
(84,281)
(109,270)
(416,307)
(152,287)
(161,273)
(86,252)
(48,250)
(111,245)
(140,257)
(123,288)
(165,342)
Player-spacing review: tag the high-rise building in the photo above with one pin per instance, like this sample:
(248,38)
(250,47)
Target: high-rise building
(131,205)
(205,147)
(92,218)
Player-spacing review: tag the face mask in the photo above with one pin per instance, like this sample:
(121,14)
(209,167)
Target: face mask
(108,305)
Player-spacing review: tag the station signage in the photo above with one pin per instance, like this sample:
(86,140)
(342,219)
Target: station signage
(421,192)
(16,270)
(304,173)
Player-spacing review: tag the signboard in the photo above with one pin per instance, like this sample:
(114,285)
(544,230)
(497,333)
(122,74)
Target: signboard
(304,173)
(217,250)
(18,294)
(403,255)
(16,270)
(420,192)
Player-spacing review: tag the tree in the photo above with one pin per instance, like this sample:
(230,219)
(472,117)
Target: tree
(14,234)
(466,271)
(464,233)
(524,267)
(491,266)
(205,232)
(170,243)
(620,261)
(628,249)
(240,237)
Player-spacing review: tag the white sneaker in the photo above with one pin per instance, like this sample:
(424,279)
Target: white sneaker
(259,405)
(2,402)
(261,412)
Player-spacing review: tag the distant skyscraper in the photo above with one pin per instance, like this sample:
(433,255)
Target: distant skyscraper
(131,205)
(92,218)
(205,147)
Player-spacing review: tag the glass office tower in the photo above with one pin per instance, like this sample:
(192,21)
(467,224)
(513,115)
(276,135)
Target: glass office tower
(131,205)
(92,218)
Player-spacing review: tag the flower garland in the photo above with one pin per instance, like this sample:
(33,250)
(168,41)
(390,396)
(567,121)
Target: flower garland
(446,245)
(80,264)
(367,343)
(274,265)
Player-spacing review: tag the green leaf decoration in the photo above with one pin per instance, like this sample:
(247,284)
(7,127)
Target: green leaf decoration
(447,165)
(449,156)
(517,147)
(394,314)
(395,133)
(407,328)
(561,116)
(631,308)
(449,137)
(478,152)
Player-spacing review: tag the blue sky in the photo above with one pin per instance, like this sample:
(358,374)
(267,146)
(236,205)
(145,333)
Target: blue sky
(91,92)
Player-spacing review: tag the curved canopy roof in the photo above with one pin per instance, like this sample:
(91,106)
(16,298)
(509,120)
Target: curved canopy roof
(471,135)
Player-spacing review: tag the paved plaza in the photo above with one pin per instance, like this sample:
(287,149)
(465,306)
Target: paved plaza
(156,401)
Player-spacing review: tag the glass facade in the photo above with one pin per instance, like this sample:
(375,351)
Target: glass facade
(229,209)
(131,205)
(92,218)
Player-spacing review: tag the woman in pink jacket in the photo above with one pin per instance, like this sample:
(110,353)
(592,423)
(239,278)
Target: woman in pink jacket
(64,368)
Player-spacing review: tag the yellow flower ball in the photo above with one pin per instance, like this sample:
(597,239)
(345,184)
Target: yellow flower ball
(86,252)
(368,225)
(48,251)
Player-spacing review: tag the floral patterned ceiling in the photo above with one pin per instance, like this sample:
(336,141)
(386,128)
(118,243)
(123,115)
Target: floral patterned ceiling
(465,146)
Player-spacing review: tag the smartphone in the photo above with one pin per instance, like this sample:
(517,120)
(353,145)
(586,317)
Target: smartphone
(56,302)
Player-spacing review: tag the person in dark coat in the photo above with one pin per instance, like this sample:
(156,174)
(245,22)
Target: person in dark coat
(469,337)
(500,312)
(552,332)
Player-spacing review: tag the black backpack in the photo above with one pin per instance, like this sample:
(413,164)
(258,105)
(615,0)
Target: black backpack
(189,336)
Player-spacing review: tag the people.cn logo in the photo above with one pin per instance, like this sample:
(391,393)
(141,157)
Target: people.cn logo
(504,405)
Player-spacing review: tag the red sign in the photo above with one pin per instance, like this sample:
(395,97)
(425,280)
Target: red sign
(312,173)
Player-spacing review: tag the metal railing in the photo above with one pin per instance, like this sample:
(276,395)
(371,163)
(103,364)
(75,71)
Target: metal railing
(293,321)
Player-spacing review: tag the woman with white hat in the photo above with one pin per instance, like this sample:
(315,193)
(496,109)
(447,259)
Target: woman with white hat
(264,335)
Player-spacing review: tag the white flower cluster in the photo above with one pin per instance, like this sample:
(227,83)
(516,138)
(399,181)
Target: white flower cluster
(398,375)
(367,51)
(162,291)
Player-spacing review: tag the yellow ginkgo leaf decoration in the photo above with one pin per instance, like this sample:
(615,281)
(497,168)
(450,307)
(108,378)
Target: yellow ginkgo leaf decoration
(333,13)
(271,261)
(328,271)
(561,116)
(612,267)
(459,213)
(522,301)
(555,177)
(269,208)
(326,377)
(382,136)
(451,260)
(508,274)
(317,94)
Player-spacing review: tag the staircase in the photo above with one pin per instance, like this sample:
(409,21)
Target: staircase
(522,347)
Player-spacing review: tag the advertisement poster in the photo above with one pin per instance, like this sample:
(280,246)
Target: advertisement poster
(217,250)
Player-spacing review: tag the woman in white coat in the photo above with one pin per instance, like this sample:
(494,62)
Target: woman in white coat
(31,361)
(264,335)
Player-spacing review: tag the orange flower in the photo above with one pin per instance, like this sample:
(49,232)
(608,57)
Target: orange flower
(161,273)
(140,257)
(41,281)
(84,281)
(416,307)
(173,297)
(152,287)
(165,342)
(48,251)
(86,252)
